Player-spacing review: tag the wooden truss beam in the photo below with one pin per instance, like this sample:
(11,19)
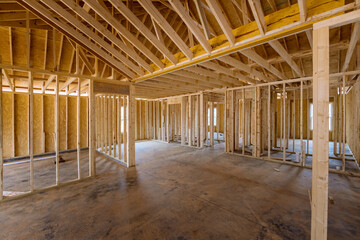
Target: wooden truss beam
(47,16)
(131,17)
(158,17)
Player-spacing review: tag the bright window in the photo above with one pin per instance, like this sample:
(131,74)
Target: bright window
(209,116)
(122,119)
(312,116)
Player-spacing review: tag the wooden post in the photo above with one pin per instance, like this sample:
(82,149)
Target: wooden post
(344,123)
(78,129)
(113,135)
(146,119)
(302,154)
(293,121)
(257,117)
(236,121)
(217,122)
(190,137)
(119,127)
(269,121)
(307,119)
(284,123)
(336,123)
(57,131)
(1,140)
(320,171)
(198,120)
(243,125)
(168,122)
(92,134)
(183,120)
(212,124)
(125,102)
(202,120)
(31,131)
(131,127)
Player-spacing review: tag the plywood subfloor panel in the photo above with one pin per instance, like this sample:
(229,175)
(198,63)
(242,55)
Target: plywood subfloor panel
(176,192)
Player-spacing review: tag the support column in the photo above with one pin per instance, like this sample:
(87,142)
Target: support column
(320,171)
(78,129)
(31,131)
(183,120)
(92,134)
(57,131)
(202,120)
(131,127)
(1,140)
(211,124)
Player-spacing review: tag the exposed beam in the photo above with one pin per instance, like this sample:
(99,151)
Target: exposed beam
(82,28)
(158,17)
(8,79)
(103,30)
(258,13)
(106,15)
(203,18)
(276,45)
(134,20)
(262,62)
(220,18)
(47,83)
(36,7)
(302,10)
(243,67)
(179,8)
(355,35)
(229,72)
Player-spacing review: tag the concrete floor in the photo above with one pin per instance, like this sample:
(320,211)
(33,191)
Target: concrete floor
(177,192)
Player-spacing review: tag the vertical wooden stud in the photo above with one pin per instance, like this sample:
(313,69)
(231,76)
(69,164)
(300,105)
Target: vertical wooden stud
(320,171)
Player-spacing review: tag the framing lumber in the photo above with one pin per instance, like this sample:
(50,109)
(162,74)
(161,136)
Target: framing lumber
(221,19)
(320,172)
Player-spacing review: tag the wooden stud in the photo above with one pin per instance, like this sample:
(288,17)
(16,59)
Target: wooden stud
(302,154)
(284,122)
(31,131)
(269,122)
(57,128)
(114,126)
(344,122)
(131,127)
(320,171)
(183,120)
(211,124)
(1,140)
(243,125)
(78,130)
(125,137)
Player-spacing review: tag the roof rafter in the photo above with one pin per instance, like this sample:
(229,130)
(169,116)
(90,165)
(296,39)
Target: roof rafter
(179,8)
(153,12)
(143,29)
(72,33)
(225,26)
(106,15)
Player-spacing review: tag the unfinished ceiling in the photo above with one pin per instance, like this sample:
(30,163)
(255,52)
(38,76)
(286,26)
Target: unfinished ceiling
(167,47)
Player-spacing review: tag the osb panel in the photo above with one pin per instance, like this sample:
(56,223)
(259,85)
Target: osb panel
(83,122)
(7,105)
(72,123)
(5,44)
(353,120)
(62,122)
(49,125)
(19,46)
(37,47)
(21,124)
(37,139)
